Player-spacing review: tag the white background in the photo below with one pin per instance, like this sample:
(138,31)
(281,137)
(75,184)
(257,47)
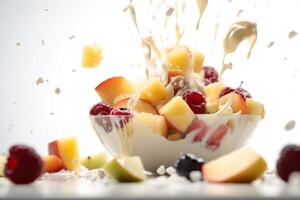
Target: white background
(271,75)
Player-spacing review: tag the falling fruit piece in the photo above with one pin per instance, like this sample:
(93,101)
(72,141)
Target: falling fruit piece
(241,166)
(126,169)
(95,161)
(92,56)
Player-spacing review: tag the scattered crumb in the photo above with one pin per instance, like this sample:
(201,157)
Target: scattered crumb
(292,34)
(43,42)
(239,12)
(51,113)
(71,37)
(74,70)
(18,44)
(47,80)
(57,91)
(229,1)
(285,58)
(161,170)
(46,9)
(195,176)
(14,102)
(290,125)
(40,81)
(170,170)
(170,11)
(270,44)
(31,131)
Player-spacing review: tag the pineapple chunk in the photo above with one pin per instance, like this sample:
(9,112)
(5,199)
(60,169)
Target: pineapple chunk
(198,59)
(153,91)
(255,108)
(92,55)
(178,113)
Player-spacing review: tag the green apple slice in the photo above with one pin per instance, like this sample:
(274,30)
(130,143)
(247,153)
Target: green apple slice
(95,161)
(126,169)
(2,163)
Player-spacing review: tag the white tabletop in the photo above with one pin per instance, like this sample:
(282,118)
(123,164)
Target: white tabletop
(77,189)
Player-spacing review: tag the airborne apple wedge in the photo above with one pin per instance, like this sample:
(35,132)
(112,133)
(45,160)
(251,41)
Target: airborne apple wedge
(178,114)
(113,87)
(126,169)
(241,166)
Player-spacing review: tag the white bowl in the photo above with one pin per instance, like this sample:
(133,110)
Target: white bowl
(122,135)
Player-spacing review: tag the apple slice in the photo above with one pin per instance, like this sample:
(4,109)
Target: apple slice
(2,164)
(213,90)
(113,87)
(67,150)
(156,123)
(238,103)
(52,163)
(255,108)
(178,114)
(240,166)
(95,161)
(141,106)
(92,56)
(126,169)
(153,91)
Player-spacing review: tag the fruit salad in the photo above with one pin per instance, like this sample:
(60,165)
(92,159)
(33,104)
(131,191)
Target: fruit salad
(189,103)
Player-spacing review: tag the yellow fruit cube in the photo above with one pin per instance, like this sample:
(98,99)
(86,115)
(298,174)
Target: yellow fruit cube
(178,113)
(153,91)
(92,55)
(179,59)
(198,59)
(156,123)
(213,90)
(255,108)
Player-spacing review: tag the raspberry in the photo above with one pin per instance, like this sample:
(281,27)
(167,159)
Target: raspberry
(241,91)
(288,162)
(121,114)
(196,100)
(101,108)
(210,75)
(188,163)
(23,165)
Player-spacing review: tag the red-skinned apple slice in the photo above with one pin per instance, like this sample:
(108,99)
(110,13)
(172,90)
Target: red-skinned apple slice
(141,106)
(113,87)
(238,103)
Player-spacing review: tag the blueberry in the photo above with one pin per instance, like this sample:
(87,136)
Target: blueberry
(188,163)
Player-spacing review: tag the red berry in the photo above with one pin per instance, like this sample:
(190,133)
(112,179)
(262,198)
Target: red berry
(196,100)
(101,108)
(121,114)
(288,162)
(210,75)
(240,91)
(23,165)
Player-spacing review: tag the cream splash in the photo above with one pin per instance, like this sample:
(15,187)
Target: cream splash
(236,33)
(201,7)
